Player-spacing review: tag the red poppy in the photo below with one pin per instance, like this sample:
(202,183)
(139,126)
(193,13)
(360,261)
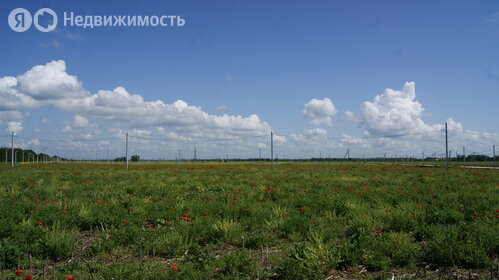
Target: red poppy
(174,267)
(125,221)
(377,232)
(28,277)
(148,226)
(388,211)
(39,223)
(19,272)
(475,213)
(70,277)
(205,213)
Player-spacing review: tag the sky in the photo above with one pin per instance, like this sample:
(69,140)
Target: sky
(375,77)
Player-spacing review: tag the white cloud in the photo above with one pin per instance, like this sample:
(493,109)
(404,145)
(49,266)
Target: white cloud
(82,127)
(345,138)
(49,84)
(315,132)
(394,112)
(15,127)
(320,111)
(349,116)
(221,108)
(45,121)
(80,122)
(11,98)
(12,116)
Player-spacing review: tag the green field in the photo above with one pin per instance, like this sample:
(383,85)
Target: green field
(247,221)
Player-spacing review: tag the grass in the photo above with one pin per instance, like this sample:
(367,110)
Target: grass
(246,221)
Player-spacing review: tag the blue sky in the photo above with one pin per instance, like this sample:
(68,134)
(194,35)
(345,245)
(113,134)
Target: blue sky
(270,58)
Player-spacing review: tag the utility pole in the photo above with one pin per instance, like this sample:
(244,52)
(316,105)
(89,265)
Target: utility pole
(126,150)
(494,154)
(347,155)
(195,154)
(179,159)
(272,147)
(446,149)
(12,162)
(464,155)
(107,155)
(6,154)
(259,154)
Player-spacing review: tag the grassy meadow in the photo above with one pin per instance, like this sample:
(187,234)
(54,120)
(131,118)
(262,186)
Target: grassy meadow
(247,221)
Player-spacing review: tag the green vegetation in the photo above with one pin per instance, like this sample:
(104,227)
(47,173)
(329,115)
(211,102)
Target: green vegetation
(245,221)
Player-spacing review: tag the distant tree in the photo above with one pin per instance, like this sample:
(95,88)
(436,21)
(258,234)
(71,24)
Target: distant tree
(135,158)
(120,159)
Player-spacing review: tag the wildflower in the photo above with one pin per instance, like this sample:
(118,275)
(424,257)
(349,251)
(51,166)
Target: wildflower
(70,277)
(174,267)
(475,213)
(419,206)
(39,223)
(148,226)
(28,277)
(388,211)
(19,272)
(125,221)
(205,213)
(377,232)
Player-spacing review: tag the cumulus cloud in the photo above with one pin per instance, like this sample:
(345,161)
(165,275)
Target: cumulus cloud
(320,111)
(50,84)
(15,127)
(349,116)
(315,132)
(345,138)
(80,122)
(83,128)
(393,112)
(11,98)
